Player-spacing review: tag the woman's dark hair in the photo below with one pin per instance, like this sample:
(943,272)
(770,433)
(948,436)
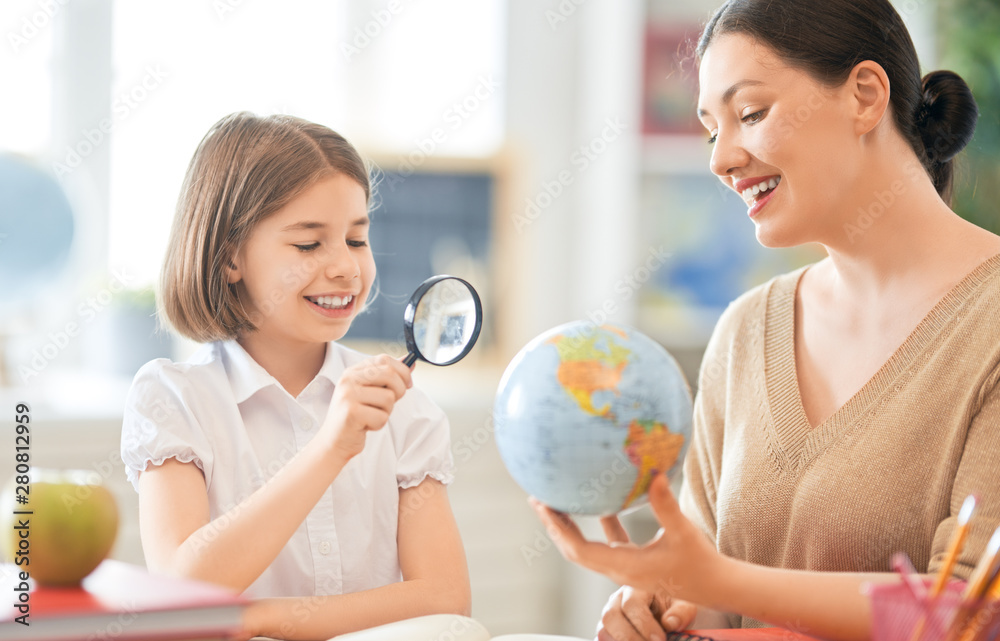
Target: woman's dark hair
(936,115)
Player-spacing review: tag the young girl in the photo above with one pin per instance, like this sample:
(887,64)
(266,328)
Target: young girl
(858,402)
(276,462)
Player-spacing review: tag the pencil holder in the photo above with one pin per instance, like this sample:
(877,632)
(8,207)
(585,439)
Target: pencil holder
(898,615)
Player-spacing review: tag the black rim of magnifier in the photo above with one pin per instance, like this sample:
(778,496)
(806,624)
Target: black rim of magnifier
(411,311)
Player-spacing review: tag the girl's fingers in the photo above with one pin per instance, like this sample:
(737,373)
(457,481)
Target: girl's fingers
(613,530)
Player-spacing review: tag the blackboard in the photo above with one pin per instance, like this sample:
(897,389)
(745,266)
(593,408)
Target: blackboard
(415,216)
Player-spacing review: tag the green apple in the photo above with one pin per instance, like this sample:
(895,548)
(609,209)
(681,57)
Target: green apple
(70,530)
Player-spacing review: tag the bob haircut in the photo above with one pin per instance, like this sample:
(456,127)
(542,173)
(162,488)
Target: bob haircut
(245,168)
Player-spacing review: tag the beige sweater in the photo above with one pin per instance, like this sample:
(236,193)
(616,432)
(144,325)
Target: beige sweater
(887,472)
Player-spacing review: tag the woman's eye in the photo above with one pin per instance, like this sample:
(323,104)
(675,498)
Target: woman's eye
(754,118)
(307,248)
(712,140)
(357,243)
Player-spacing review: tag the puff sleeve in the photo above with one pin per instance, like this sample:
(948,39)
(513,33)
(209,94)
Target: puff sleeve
(422,440)
(159,422)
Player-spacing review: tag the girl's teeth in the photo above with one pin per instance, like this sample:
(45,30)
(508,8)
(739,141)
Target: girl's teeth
(333,301)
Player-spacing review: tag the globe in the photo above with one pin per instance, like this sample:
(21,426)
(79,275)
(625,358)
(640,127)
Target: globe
(36,230)
(585,417)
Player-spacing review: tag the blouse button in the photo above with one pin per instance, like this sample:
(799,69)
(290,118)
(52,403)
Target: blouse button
(307,423)
(324,547)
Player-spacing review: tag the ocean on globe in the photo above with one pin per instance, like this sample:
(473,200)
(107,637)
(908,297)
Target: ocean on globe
(585,417)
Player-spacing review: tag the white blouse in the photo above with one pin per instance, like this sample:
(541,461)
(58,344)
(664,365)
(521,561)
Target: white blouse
(222,411)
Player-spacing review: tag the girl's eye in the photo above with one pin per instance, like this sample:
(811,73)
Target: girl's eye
(754,118)
(714,137)
(307,248)
(357,243)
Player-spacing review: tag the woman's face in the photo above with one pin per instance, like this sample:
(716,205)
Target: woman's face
(780,133)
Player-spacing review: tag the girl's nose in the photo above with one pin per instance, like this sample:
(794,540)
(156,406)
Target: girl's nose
(340,263)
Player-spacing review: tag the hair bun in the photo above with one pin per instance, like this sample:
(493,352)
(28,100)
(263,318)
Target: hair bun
(947,115)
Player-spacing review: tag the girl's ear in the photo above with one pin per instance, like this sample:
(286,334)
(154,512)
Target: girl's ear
(869,86)
(233,272)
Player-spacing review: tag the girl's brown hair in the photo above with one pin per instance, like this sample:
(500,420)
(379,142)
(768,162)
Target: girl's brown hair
(936,114)
(245,168)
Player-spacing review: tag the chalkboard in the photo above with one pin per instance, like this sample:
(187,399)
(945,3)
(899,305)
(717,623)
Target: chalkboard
(420,221)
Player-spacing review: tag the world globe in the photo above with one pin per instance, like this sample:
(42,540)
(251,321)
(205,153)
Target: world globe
(585,416)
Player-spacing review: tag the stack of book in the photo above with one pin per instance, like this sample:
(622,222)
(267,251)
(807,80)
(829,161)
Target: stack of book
(119,602)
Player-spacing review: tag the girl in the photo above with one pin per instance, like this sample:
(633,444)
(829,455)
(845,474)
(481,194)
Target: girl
(859,403)
(276,462)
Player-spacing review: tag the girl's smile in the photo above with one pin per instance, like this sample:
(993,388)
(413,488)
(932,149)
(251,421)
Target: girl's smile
(307,269)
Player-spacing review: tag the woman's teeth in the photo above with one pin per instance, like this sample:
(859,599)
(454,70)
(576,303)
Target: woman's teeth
(750,193)
(331,302)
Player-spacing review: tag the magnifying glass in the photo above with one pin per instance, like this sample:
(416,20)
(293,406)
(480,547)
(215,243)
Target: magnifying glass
(442,321)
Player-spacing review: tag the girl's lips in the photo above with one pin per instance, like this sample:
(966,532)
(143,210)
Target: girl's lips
(336,312)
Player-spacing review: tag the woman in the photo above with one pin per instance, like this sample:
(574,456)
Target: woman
(859,404)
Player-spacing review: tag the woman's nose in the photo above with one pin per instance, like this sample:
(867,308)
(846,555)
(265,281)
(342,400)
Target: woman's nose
(728,155)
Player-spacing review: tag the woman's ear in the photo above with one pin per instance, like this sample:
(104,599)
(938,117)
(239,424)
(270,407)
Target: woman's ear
(869,86)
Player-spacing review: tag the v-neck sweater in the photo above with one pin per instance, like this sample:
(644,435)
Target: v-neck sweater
(887,472)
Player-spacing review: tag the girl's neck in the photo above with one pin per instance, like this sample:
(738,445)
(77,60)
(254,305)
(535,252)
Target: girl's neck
(292,364)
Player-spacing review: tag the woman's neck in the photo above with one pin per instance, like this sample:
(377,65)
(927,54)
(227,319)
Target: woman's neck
(293,364)
(897,231)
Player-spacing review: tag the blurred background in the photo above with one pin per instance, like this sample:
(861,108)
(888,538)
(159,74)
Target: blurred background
(546,151)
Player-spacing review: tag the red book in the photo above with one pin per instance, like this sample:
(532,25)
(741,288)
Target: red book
(118,601)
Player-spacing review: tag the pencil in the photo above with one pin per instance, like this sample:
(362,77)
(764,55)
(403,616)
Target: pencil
(954,549)
(982,579)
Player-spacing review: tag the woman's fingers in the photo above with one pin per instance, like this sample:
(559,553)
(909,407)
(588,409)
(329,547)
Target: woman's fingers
(679,615)
(571,544)
(662,500)
(626,618)
(613,530)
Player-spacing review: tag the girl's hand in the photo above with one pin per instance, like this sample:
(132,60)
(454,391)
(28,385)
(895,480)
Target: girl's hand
(636,615)
(679,563)
(362,401)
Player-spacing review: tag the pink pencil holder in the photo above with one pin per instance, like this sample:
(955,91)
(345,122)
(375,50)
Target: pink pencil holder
(896,613)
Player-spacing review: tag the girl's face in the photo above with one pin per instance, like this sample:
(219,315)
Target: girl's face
(782,140)
(306,270)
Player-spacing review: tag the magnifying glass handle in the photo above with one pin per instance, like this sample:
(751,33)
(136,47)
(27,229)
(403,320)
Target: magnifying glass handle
(410,359)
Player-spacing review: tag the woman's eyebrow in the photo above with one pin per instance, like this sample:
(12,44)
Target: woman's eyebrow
(729,93)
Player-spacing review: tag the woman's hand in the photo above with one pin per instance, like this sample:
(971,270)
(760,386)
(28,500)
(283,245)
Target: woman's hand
(362,401)
(679,563)
(636,615)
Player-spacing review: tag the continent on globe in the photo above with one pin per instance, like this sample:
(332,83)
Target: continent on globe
(585,369)
(586,416)
(652,448)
